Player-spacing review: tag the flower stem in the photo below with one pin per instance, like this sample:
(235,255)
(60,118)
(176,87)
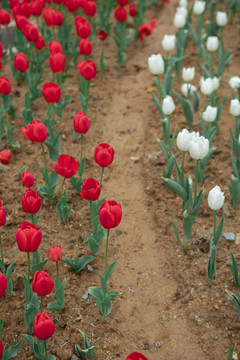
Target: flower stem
(45,347)
(41,306)
(101,177)
(106,251)
(91,220)
(57,270)
(81,147)
(44,156)
(1,247)
(183,157)
(214,225)
(62,185)
(28,257)
(196,180)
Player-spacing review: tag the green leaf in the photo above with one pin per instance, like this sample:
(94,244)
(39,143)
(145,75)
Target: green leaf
(1,328)
(62,208)
(234,190)
(159,106)
(219,231)
(212,260)
(27,115)
(234,269)
(11,352)
(79,263)
(53,143)
(177,235)
(177,188)
(236,300)
(110,270)
(60,298)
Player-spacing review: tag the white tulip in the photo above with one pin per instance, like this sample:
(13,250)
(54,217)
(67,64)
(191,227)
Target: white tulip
(206,86)
(168,42)
(179,20)
(210,114)
(185,88)
(216,198)
(182,11)
(198,147)
(195,135)
(215,83)
(168,105)
(234,82)
(188,74)
(183,3)
(156,64)
(183,140)
(235,107)
(212,43)
(221,18)
(199,7)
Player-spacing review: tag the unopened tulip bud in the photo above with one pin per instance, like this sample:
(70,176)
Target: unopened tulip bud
(199,7)
(199,147)
(188,74)
(216,198)
(185,88)
(234,82)
(206,86)
(168,105)
(168,42)
(183,3)
(212,43)
(156,64)
(235,107)
(179,20)
(221,18)
(183,140)
(210,114)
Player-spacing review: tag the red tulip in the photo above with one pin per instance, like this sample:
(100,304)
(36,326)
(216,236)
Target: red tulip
(73,5)
(31,202)
(37,7)
(5,156)
(90,8)
(121,14)
(43,326)
(66,166)
(28,237)
(85,47)
(146,29)
(102,35)
(87,69)
(5,86)
(123,2)
(55,47)
(58,2)
(110,214)
(81,123)
(53,17)
(4,17)
(42,283)
(136,356)
(1,50)
(51,92)
(57,63)
(31,32)
(1,349)
(40,43)
(83,27)
(21,21)
(36,131)
(3,287)
(27,179)
(103,155)
(55,253)
(25,9)
(21,62)
(133,9)
(90,189)
(59,18)
(2,215)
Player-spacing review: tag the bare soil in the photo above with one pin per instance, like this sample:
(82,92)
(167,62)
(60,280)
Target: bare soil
(165,297)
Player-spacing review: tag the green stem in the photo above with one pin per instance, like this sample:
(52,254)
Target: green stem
(106,251)
(57,270)
(81,147)
(196,180)
(45,347)
(44,156)
(214,225)
(7,118)
(28,257)
(1,247)
(62,185)
(209,282)
(53,116)
(91,220)
(183,157)
(101,177)
(41,305)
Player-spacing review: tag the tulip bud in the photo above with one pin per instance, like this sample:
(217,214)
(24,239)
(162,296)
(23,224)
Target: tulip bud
(85,47)
(199,7)
(102,35)
(235,107)
(28,237)
(110,214)
(183,140)
(216,198)
(55,253)
(103,155)
(234,82)
(212,43)
(182,11)
(5,156)
(221,18)
(179,20)
(199,147)
(215,83)
(168,42)
(5,86)
(81,123)
(210,114)
(136,356)
(43,326)
(121,14)
(133,9)
(27,179)
(2,215)
(185,88)
(168,105)
(21,62)
(156,64)
(31,202)
(188,74)
(90,189)
(3,285)
(183,3)
(42,283)
(51,92)
(206,86)
(87,69)
(57,63)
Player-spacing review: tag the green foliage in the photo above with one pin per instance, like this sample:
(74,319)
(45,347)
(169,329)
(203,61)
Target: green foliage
(32,306)
(88,350)
(234,269)
(51,181)
(79,263)
(60,296)
(62,208)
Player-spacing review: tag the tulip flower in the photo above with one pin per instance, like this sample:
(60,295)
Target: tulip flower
(21,22)
(37,7)
(199,147)
(36,131)
(120,14)
(188,74)
(42,284)
(21,62)
(168,42)
(199,7)
(31,202)
(31,33)
(3,288)
(1,349)
(210,114)
(53,17)
(188,88)
(221,18)
(2,222)
(55,47)
(102,35)
(87,69)
(4,17)
(136,356)
(235,107)
(57,63)
(133,9)
(90,189)
(156,64)
(40,43)
(81,125)
(83,27)
(212,43)
(216,198)
(5,156)
(206,86)
(168,105)
(146,29)
(183,140)
(27,179)
(43,326)
(103,156)
(1,50)
(5,86)
(51,92)
(85,47)
(179,20)
(55,254)
(234,82)
(90,8)
(122,2)
(66,166)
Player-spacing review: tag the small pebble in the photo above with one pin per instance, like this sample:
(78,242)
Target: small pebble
(118,232)
(88,302)
(72,241)
(216,337)
(226,303)
(85,296)
(158,344)
(229,236)
(168,276)
(74,357)
(188,282)
(89,268)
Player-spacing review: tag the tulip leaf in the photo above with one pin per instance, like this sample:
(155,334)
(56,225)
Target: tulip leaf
(212,261)
(234,190)
(188,222)
(26,115)
(177,235)
(88,349)
(110,270)
(60,298)
(77,183)
(159,106)
(1,328)
(79,263)
(8,276)
(234,269)
(219,231)
(53,143)
(51,182)
(11,352)
(177,188)
(62,208)
(236,300)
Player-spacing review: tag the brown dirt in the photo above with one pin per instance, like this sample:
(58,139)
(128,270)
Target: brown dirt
(164,295)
